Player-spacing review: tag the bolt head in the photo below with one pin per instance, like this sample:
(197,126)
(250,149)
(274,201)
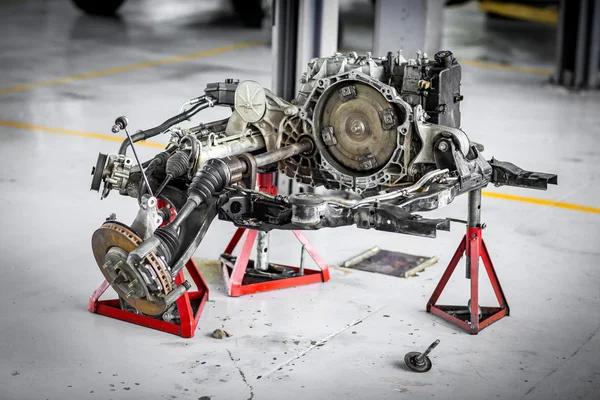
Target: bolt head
(443,146)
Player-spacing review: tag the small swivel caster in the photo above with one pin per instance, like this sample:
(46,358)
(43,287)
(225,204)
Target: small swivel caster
(419,362)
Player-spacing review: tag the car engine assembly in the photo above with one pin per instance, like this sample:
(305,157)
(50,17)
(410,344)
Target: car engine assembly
(386,129)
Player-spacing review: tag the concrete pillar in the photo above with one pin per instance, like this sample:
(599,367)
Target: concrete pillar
(408,25)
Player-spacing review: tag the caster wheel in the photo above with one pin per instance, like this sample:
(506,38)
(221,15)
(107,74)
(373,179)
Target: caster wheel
(412,361)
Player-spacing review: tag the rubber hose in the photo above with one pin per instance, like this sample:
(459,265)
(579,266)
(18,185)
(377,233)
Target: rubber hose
(149,133)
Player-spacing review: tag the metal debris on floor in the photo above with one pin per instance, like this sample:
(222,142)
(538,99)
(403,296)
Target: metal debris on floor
(387,262)
(220,334)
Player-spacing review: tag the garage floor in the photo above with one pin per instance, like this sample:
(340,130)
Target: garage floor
(51,132)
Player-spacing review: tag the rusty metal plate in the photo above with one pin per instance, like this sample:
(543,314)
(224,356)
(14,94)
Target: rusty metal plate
(392,263)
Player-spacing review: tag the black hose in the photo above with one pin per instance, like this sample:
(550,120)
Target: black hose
(149,133)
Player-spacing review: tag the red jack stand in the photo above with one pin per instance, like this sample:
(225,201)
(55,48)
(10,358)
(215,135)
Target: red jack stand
(189,305)
(239,283)
(472,318)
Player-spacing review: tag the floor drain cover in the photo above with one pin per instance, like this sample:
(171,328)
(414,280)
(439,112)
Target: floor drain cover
(392,263)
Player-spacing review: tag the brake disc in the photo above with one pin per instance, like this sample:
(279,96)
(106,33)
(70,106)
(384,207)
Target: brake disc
(111,244)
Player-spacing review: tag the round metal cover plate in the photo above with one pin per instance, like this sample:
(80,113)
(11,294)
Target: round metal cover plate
(362,144)
(250,101)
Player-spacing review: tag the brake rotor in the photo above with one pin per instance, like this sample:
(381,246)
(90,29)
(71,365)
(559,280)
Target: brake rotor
(111,244)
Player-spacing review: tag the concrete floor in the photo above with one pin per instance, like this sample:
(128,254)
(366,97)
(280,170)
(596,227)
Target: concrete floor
(52,348)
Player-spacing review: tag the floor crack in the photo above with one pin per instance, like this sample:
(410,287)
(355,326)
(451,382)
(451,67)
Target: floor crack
(242,375)
(324,340)
(562,364)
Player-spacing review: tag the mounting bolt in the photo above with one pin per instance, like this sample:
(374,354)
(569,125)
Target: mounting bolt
(443,146)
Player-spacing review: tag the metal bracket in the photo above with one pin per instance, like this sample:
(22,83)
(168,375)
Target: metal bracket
(328,135)
(347,93)
(508,174)
(367,162)
(388,119)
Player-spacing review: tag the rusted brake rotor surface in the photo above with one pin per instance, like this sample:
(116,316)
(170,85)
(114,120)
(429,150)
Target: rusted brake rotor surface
(119,240)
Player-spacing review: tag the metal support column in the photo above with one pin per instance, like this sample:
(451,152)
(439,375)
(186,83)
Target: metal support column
(283,50)
(578,44)
(262,251)
(302,30)
(474,220)
(408,25)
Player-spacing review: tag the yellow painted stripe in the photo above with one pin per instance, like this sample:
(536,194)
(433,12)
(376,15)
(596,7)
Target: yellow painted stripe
(132,67)
(504,67)
(521,11)
(543,202)
(503,196)
(115,138)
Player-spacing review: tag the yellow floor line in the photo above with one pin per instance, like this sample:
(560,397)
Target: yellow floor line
(503,196)
(504,67)
(544,15)
(115,138)
(543,202)
(132,67)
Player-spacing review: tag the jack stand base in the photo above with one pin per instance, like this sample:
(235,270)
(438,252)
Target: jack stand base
(472,318)
(189,306)
(234,274)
